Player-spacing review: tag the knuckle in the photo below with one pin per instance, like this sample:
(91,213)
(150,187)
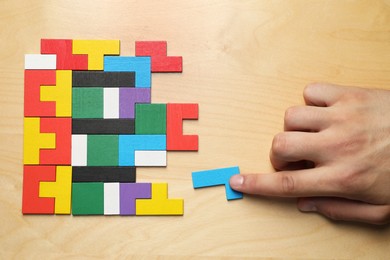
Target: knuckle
(331,213)
(279,144)
(358,94)
(309,88)
(353,182)
(348,185)
(382,216)
(290,115)
(340,118)
(288,184)
(350,145)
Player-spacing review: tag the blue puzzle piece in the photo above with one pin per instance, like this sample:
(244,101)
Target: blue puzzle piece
(128,144)
(140,65)
(216,177)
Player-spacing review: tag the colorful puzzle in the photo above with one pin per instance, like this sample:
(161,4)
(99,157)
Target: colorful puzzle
(89,122)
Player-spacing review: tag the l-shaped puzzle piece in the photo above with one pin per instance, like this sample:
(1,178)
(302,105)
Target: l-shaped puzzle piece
(216,177)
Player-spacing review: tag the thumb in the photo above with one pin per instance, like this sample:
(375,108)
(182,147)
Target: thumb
(344,209)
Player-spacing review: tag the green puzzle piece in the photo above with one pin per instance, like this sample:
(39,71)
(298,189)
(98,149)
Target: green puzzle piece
(87,102)
(150,119)
(102,150)
(88,198)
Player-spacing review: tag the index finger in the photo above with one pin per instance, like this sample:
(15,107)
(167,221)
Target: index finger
(301,183)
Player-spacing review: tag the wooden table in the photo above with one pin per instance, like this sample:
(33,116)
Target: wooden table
(245,62)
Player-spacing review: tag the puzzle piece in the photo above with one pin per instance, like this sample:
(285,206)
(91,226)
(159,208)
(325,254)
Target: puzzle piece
(216,177)
(103,126)
(35,140)
(79,150)
(47,93)
(111,103)
(103,78)
(87,103)
(104,174)
(151,48)
(128,97)
(150,158)
(33,79)
(60,189)
(139,65)
(128,144)
(176,141)
(96,50)
(102,150)
(111,199)
(61,93)
(66,60)
(150,119)
(61,153)
(88,198)
(40,62)
(31,202)
(157,50)
(129,192)
(159,204)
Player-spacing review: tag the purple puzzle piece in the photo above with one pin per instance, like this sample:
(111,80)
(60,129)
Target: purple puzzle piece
(131,191)
(128,97)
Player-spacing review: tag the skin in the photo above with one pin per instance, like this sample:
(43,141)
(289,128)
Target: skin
(334,155)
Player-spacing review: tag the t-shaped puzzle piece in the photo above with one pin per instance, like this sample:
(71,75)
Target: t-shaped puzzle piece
(34,140)
(61,93)
(159,204)
(60,189)
(96,50)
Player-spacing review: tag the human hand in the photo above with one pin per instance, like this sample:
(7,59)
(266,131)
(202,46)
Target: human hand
(344,132)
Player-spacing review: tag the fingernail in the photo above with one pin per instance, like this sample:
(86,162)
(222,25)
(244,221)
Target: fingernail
(307,206)
(236,181)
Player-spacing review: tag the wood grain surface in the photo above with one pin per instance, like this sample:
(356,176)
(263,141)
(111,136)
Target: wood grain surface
(245,62)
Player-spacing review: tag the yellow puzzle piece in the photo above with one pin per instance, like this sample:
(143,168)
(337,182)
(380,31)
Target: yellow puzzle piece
(96,49)
(61,93)
(61,189)
(34,140)
(159,204)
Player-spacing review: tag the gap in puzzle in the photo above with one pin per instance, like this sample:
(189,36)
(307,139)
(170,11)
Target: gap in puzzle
(89,123)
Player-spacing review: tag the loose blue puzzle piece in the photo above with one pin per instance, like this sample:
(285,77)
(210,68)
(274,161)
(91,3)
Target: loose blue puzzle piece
(140,65)
(216,177)
(128,144)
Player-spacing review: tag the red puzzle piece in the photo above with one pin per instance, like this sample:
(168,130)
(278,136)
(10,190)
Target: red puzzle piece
(32,203)
(33,80)
(150,48)
(176,141)
(62,127)
(157,50)
(167,64)
(66,60)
